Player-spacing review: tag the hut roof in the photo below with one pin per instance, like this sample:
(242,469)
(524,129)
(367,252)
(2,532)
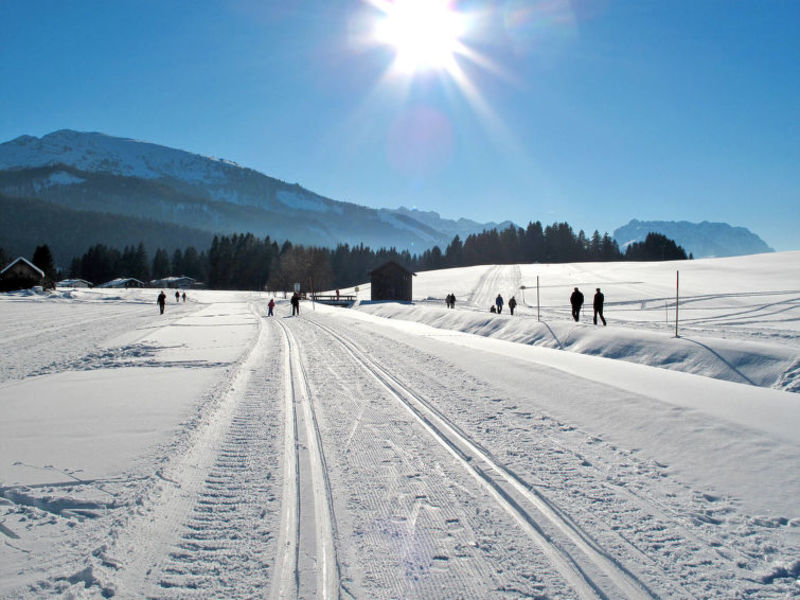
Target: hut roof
(391,264)
(27,262)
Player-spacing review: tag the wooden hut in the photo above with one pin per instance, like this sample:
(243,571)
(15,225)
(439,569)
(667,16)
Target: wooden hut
(391,281)
(20,274)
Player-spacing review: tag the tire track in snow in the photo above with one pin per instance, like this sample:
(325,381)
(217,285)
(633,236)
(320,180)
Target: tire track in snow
(307,539)
(593,572)
(149,549)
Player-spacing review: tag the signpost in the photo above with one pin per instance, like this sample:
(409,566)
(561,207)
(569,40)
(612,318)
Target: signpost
(677,282)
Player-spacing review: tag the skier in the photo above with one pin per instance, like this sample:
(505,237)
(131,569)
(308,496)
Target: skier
(177,296)
(183,296)
(512,304)
(599,299)
(499,303)
(270,306)
(295,304)
(452,300)
(161,300)
(576,300)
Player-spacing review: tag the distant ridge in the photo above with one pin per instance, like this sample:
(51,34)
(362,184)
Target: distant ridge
(703,240)
(102,173)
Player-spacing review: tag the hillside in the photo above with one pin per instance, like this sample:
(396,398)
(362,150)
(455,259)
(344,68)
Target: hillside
(29,222)
(102,173)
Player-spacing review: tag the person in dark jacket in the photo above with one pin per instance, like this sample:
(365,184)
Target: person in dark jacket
(499,303)
(161,300)
(295,304)
(177,296)
(452,300)
(599,299)
(512,304)
(270,307)
(576,300)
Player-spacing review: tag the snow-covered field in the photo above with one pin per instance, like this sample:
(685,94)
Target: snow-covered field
(407,450)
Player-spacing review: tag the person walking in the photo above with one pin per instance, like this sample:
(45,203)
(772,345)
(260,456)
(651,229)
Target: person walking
(597,304)
(177,296)
(576,300)
(161,300)
(499,303)
(512,304)
(452,300)
(295,304)
(270,306)
(183,296)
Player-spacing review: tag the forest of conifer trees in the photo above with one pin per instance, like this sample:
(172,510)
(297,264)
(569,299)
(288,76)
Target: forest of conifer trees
(244,262)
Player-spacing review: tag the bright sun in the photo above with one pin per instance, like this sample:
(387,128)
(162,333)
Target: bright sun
(424,33)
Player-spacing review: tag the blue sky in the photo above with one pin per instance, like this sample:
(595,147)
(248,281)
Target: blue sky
(591,111)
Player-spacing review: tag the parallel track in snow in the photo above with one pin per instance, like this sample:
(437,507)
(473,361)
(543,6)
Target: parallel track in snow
(307,538)
(582,561)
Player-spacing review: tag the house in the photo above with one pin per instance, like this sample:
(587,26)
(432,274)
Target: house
(74,283)
(123,282)
(20,274)
(391,281)
(174,282)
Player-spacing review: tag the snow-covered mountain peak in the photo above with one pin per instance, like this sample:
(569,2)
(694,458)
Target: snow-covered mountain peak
(98,152)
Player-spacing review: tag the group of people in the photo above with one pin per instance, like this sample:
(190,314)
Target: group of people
(161,300)
(295,302)
(576,300)
(450,301)
(497,307)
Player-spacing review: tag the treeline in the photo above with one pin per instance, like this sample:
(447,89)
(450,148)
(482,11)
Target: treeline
(244,262)
(102,263)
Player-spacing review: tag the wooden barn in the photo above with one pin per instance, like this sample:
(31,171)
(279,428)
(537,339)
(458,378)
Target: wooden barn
(20,274)
(391,281)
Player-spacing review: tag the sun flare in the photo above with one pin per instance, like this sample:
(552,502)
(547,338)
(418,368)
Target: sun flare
(424,33)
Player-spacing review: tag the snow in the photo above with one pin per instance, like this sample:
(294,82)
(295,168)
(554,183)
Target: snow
(407,450)
(121,156)
(306,201)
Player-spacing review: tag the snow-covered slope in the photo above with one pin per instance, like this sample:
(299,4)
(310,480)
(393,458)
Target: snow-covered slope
(739,317)
(215,452)
(703,240)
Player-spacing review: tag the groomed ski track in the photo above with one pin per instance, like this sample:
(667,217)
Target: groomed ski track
(334,459)
(590,570)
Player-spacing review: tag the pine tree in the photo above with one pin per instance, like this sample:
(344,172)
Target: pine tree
(43,259)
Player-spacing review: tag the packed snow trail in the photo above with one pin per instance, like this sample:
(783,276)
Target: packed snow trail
(207,529)
(307,566)
(541,521)
(336,455)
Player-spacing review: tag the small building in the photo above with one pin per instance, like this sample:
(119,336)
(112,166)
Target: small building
(20,274)
(174,282)
(74,283)
(123,282)
(391,281)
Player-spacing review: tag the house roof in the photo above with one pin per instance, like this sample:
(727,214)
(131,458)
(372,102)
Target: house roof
(26,261)
(71,282)
(119,282)
(392,264)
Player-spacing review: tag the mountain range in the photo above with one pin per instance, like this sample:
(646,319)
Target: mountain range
(97,173)
(702,240)
(74,189)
